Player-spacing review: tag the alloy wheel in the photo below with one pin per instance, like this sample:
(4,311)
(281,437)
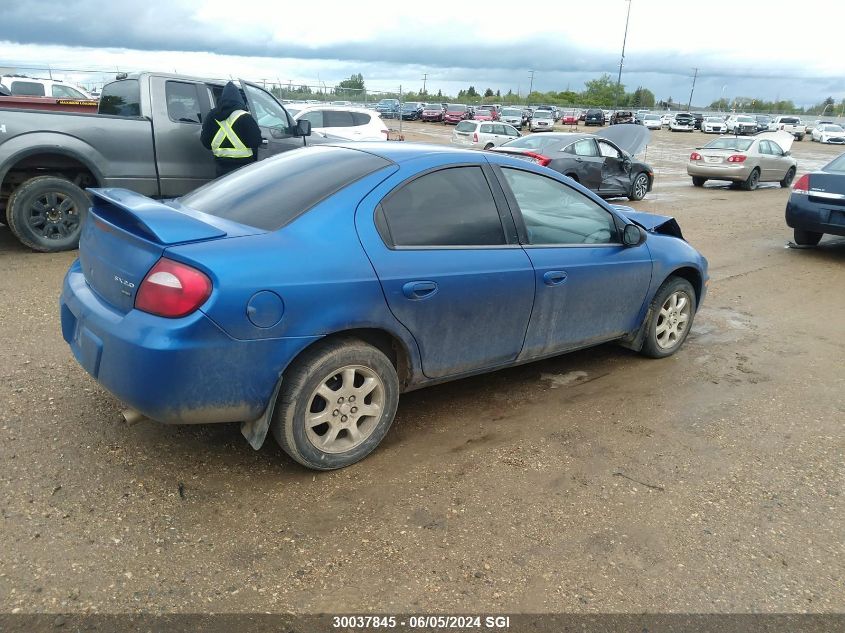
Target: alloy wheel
(673,320)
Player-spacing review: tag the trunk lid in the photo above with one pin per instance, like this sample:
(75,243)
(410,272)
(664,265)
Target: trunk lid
(126,233)
(827,188)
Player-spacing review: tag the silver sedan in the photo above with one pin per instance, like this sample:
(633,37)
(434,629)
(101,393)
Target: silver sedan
(747,160)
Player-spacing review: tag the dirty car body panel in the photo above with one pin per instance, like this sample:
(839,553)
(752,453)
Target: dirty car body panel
(322,241)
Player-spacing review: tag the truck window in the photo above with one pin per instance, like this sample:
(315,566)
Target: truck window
(121,98)
(268,112)
(65,92)
(183,103)
(27,89)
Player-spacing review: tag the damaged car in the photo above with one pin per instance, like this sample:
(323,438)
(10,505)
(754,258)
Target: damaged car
(603,162)
(745,160)
(213,307)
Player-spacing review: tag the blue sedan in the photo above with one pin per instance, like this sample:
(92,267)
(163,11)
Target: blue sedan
(301,295)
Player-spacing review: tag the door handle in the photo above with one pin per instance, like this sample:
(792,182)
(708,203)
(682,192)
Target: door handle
(416,290)
(554,277)
(264,141)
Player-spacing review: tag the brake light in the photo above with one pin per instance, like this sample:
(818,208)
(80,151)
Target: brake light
(538,158)
(737,158)
(695,156)
(172,289)
(802,185)
(475,137)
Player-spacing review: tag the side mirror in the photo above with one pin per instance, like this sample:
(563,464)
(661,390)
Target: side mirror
(633,235)
(303,128)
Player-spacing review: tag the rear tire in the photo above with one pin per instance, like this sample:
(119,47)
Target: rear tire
(672,314)
(698,181)
(488,146)
(325,433)
(806,238)
(46,212)
(787,179)
(750,183)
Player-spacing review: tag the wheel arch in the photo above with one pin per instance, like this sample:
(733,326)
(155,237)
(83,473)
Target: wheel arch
(692,275)
(47,161)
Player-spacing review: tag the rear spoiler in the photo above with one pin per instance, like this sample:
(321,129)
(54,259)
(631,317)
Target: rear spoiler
(150,219)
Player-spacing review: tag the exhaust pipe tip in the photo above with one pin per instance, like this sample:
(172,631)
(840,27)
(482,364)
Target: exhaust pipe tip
(132,417)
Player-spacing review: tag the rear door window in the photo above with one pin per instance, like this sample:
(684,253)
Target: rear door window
(27,89)
(315,117)
(360,118)
(449,207)
(121,98)
(183,104)
(337,118)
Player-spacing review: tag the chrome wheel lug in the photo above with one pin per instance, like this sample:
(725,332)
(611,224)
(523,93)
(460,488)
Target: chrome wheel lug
(351,398)
(343,418)
(354,410)
(335,413)
(340,400)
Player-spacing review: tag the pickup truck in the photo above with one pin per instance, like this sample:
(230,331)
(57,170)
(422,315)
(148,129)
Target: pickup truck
(791,124)
(144,137)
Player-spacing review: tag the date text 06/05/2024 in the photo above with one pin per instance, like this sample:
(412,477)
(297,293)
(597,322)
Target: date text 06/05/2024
(421,621)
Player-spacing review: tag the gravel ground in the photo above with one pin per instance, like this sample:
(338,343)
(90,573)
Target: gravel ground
(599,481)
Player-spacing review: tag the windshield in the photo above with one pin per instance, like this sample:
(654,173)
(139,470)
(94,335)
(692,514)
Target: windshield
(456,107)
(651,117)
(833,128)
(542,114)
(746,119)
(388,102)
(433,106)
(410,106)
(512,112)
(713,119)
(739,144)
(544,142)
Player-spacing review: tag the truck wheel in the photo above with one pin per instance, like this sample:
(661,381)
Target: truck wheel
(806,238)
(336,404)
(45,213)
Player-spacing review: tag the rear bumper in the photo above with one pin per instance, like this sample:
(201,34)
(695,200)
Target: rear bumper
(175,371)
(801,213)
(720,171)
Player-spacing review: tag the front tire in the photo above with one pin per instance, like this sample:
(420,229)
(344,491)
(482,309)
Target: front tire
(639,188)
(45,213)
(806,238)
(672,313)
(336,404)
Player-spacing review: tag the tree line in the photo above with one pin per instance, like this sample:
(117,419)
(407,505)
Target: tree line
(600,92)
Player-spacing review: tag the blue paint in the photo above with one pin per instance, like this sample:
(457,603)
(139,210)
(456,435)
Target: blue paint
(453,311)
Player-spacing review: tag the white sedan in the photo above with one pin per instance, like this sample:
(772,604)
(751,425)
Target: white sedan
(352,124)
(829,133)
(652,121)
(666,119)
(483,134)
(714,125)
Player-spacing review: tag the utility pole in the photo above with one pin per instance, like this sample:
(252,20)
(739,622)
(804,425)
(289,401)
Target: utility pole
(425,76)
(530,86)
(622,60)
(689,103)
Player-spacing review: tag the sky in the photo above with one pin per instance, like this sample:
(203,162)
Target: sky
(774,54)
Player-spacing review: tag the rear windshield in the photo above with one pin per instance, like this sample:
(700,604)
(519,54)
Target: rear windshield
(542,114)
(790,120)
(466,126)
(121,98)
(740,144)
(272,193)
(836,166)
(746,119)
(512,112)
(543,142)
(456,107)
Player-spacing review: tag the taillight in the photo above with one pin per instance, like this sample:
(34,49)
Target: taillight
(538,158)
(695,156)
(475,137)
(737,158)
(172,289)
(802,185)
